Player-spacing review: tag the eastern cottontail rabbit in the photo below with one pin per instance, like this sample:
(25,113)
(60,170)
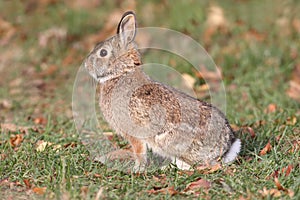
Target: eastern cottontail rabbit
(152,115)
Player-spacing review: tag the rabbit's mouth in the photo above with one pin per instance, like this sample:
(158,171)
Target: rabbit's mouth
(103,78)
(100,76)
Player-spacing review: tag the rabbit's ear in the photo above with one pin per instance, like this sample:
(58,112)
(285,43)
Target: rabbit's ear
(127,28)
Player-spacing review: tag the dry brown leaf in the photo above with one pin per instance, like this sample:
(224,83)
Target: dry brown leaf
(284,171)
(203,88)
(200,183)
(187,172)
(83,192)
(253,34)
(7,31)
(294,89)
(5,104)
(215,21)
(287,170)
(249,130)
(296,24)
(271,192)
(16,82)
(40,120)
(27,183)
(266,149)
(39,190)
(278,185)
(49,70)
(271,108)
(291,121)
(16,140)
(41,145)
(208,169)
(295,146)
(169,190)
(98,175)
(189,80)
(235,127)
(281,188)
(283,24)
(160,178)
(54,33)
(99,194)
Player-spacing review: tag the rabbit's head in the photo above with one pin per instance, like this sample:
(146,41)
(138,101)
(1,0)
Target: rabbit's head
(116,56)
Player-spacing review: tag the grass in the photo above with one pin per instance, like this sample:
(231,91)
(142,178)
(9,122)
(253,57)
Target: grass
(256,74)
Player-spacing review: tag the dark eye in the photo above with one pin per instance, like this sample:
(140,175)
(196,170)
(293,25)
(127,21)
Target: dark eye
(103,52)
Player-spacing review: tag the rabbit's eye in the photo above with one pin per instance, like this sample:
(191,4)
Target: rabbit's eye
(103,52)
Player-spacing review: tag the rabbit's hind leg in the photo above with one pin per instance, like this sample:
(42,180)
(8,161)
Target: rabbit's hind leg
(139,149)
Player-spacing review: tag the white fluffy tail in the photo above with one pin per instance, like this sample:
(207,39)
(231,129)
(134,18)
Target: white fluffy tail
(233,151)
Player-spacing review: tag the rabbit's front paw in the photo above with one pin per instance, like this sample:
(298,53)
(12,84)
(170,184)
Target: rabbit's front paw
(181,164)
(139,167)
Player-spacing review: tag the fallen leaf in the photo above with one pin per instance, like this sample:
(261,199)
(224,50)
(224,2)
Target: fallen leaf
(2,155)
(54,33)
(4,181)
(40,120)
(295,146)
(83,192)
(16,82)
(278,184)
(200,183)
(271,108)
(50,70)
(98,175)
(169,190)
(235,127)
(5,104)
(203,88)
(291,121)
(266,149)
(187,172)
(250,131)
(41,145)
(39,190)
(162,178)
(7,31)
(99,194)
(253,34)
(296,24)
(27,183)
(208,169)
(16,140)
(215,21)
(271,192)
(287,170)
(284,171)
(72,145)
(294,89)
(283,24)
(188,80)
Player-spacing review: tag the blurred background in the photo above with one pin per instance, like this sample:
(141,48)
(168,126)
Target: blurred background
(254,43)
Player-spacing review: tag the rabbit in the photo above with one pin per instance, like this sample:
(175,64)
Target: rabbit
(152,115)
